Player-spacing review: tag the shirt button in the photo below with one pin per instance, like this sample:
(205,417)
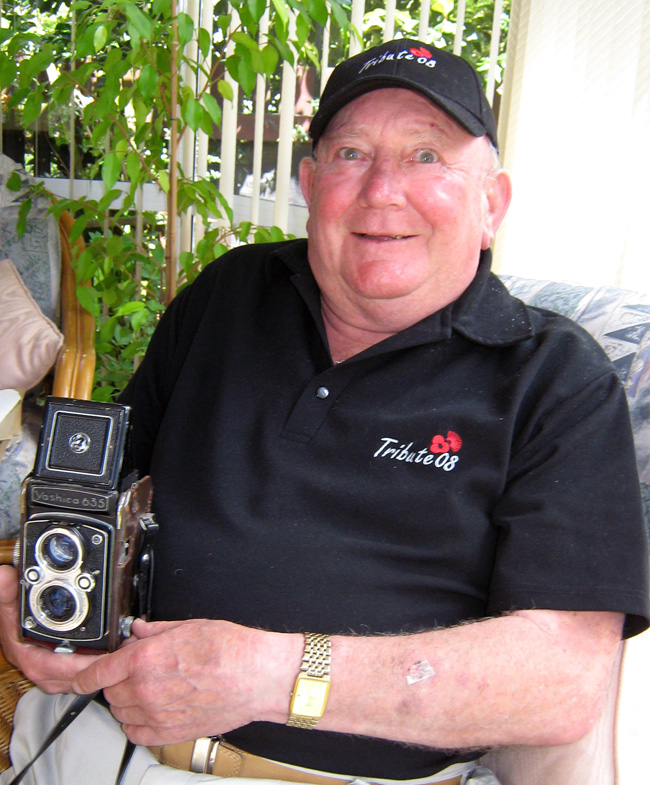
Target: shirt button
(322,392)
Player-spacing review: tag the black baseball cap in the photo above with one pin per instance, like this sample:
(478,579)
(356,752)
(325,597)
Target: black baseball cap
(444,78)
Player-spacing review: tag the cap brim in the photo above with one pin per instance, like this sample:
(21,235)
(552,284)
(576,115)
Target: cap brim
(335,103)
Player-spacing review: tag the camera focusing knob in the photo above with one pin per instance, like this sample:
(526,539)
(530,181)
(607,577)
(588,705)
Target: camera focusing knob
(125,626)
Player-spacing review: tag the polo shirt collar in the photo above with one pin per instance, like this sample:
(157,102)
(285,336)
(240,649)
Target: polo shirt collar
(485,313)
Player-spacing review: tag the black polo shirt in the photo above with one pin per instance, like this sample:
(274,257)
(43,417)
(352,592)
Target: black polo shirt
(478,462)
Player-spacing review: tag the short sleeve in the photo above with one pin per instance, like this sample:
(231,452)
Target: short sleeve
(571,531)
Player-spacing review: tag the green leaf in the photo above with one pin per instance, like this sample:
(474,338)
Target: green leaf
(107,329)
(32,108)
(100,37)
(241,69)
(78,227)
(163,180)
(186,260)
(88,298)
(142,24)
(139,319)
(18,97)
(133,167)
(106,96)
(271,58)
(15,182)
(111,168)
(225,89)
(204,41)
(23,212)
(185,29)
(282,11)
(32,67)
(113,57)
(243,38)
(8,70)
(303,29)
(192,113)
(148,81)
(256,8)
(340,14)
(128,308)
(212,107)
(318,10)
(161,8)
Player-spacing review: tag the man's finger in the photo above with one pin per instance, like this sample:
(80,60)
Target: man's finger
(147,629)
(105,671)
(8,585)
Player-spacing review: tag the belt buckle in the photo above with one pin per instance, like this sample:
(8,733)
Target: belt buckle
(204,752)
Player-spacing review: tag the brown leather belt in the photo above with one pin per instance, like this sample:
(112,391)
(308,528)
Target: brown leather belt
(217,757)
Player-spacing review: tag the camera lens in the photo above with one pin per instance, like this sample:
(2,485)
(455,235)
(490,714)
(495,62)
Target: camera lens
(58,603)
(58,606)
(60,549)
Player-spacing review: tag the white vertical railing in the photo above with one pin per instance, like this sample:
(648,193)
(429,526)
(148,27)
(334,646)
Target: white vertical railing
(389,24)
(425,14)
(494,50)
(260,120)
(187,152)
(460,26)
(356,20)
(202,139)
(229,129)
(285,138)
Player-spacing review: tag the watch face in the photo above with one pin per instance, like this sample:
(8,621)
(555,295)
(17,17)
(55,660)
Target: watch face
(310,697)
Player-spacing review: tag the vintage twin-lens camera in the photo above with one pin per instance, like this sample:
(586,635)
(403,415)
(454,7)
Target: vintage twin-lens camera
(85,557)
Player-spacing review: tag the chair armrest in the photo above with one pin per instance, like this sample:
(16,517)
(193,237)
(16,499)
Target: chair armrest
(75,368)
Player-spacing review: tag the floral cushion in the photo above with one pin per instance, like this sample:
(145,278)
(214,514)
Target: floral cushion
(37,254)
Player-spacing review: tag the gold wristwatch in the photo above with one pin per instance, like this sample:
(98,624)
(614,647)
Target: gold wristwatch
(312,686)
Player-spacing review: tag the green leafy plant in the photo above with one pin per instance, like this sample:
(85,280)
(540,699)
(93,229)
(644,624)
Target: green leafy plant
(138,77)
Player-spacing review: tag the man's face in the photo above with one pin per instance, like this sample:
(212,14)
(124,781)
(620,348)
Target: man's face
(400,206)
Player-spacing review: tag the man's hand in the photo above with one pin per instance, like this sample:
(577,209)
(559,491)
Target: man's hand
(181,680)
(52,672)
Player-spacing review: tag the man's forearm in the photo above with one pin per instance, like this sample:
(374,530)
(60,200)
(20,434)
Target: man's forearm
(534,677)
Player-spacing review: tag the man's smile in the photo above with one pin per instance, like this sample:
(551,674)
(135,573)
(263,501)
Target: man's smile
(383,237)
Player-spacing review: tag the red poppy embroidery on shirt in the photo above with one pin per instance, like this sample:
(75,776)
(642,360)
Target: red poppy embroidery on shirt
(439,444)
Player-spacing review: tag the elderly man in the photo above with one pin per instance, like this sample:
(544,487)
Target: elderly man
(399,511)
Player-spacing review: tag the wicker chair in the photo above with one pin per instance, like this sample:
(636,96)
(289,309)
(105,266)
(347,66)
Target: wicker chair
(72,378)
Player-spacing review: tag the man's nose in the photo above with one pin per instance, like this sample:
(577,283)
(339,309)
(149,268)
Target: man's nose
(383,184)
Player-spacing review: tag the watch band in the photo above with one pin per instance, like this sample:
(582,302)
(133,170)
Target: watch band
(311,690)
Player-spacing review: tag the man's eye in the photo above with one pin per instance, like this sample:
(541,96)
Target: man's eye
(426,157)
(349,153)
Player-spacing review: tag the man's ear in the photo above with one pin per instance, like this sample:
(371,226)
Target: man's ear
(498,192)
(306,174)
